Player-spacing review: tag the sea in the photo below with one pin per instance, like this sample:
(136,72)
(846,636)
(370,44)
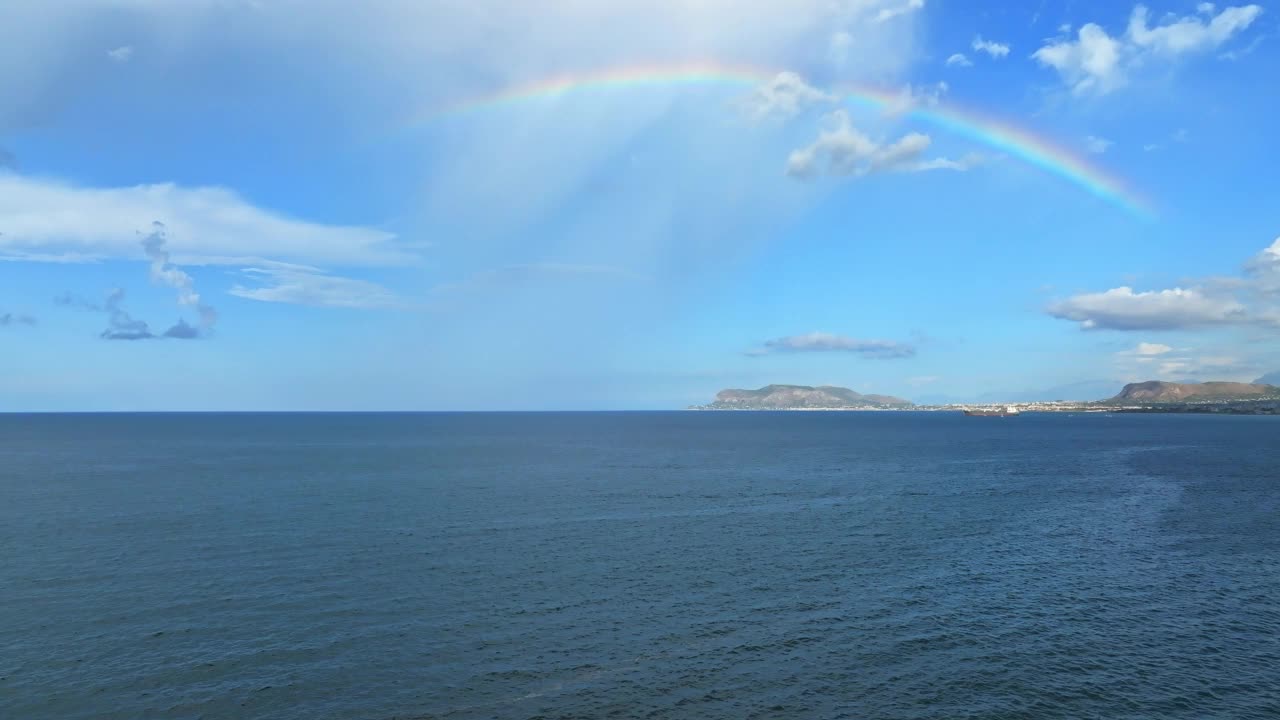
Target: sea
(905,565)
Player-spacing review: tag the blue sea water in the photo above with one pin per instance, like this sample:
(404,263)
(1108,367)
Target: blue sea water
(656,565)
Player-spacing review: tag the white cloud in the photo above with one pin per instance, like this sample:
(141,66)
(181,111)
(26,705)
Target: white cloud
(842,149)
(959,60)
(121,54)
(1092,64)
(1096,63)
(786,95)
(827,342)
(994,49)
(49,220)
(898,9)
(1189,34)
(303,285)
(1251,299)
(1096,144)
(1123,309)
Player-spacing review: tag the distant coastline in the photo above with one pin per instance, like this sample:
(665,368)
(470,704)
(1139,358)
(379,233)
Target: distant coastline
(1147,397)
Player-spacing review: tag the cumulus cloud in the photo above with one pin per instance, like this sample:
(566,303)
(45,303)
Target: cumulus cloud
(1123,309)
(826,342)
(994,49)
(1097,145)
(786,95)
(1250,299)
(959,60)
(49,220)
(842,149)
(1096,63)
(305,285)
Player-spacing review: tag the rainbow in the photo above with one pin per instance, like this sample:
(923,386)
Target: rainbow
(997,134)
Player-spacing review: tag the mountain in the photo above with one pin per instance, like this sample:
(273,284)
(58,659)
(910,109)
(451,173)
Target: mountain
(1269,379)
(1169,392)
(799,397)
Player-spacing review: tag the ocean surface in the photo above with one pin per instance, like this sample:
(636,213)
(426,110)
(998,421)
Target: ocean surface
(639,565)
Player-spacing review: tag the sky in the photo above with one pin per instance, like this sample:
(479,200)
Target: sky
(569,204)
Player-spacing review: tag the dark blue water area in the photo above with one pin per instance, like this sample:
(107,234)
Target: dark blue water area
(639,565)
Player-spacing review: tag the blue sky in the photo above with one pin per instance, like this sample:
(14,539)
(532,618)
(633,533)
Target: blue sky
(328,238)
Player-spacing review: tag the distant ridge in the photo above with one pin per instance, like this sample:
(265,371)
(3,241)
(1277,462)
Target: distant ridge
(801,397)
(1155,391)
(1269,379)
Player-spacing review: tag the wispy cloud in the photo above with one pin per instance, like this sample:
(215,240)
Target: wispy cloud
(1156,361)
(502,280)
(8,319)
(913,96)
(922,380)
(904,7)
(826,342)
(959,60)
(305,285)
(1097,145)
(163,271)
(48,220)
(121,54)
(121,325)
